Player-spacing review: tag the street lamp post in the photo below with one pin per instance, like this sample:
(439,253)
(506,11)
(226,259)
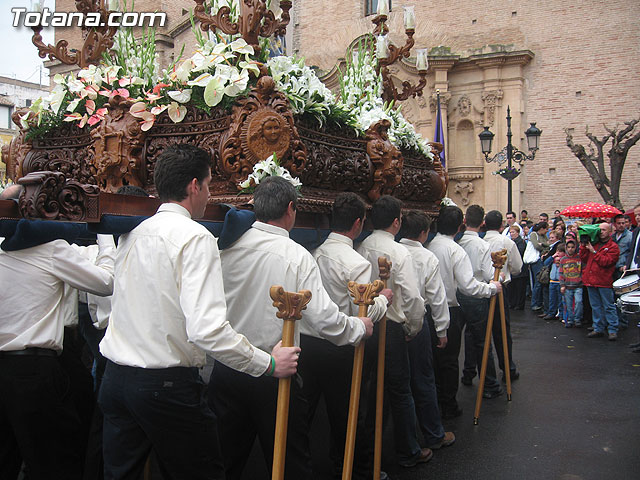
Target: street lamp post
(509,153)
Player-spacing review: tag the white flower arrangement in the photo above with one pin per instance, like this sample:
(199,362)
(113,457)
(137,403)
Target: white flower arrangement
(361,93)
(305,91)
(447,202)
(268,168)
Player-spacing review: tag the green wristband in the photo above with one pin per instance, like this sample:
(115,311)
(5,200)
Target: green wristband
(272,367)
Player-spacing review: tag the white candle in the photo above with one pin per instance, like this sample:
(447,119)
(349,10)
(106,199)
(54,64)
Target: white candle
(383,7)
(382,51)
(409,18)
(422,63)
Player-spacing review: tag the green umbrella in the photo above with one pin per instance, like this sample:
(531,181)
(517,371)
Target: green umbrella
(592,230)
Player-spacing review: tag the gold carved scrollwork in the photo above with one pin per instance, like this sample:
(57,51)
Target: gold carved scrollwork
(262,124)
(117,148)
(386,159)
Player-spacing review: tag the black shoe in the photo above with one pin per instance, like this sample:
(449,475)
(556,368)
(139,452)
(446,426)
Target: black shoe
(468,381)
(536,309)
(595,334)
(634,345)
(514,376)
(635,350)
(449,413)
(492,394)
(550,317)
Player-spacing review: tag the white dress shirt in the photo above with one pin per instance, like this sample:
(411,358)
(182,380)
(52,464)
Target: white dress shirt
(456,270)
(479,254)
(34,279)
(514,260)
(168,303)
(430,284)
(265,256)
(407,307)
(340,264)
(99,307)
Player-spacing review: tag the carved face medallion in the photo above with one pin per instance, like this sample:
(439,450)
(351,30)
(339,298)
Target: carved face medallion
(266,132)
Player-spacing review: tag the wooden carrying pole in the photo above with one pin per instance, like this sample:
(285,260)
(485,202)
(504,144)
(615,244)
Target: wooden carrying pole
(363,296)
(290,306)
(499,259)
(384,266)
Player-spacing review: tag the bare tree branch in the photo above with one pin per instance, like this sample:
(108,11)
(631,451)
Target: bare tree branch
(599,159)
(622,139)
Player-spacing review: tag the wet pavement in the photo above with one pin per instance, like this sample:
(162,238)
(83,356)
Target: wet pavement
(574,415)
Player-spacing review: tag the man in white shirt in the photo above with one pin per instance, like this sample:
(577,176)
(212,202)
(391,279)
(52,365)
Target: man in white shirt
(511,219)
(493,221)
(475,310)
(326,368)
(413,233)
(168,311)
(262,257)
(457,274)
(405,317)
(39,422)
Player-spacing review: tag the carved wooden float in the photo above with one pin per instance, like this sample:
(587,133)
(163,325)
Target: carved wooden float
(91,164)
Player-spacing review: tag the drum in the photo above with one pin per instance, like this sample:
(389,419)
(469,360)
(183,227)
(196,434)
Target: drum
(626,284)
(629,303)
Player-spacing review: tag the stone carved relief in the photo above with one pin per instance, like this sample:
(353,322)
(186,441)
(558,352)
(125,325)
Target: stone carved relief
(261,124)
(49,196)
(444,101)
(117,148)
(491,100)
(464,106)
(464,189)
(386,158)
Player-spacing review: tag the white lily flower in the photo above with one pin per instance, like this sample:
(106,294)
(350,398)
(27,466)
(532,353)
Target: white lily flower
(183,72)
(201,81)
(237,83)
(214,91)
(176,112)
(56,97)
(241,46)
(73,105)
(181,96)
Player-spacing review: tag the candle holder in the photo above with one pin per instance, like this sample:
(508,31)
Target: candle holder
(393,54)
(255,20)
(97,40)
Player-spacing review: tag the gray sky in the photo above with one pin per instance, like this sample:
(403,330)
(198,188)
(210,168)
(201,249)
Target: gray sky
(18,56)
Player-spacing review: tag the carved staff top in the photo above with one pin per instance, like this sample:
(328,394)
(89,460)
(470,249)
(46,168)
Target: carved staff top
(365,293)
(499,258)
(289,304)
(384,266)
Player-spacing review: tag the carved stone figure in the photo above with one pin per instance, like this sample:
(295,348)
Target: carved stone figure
(464,106)
(464,189)
(491,100)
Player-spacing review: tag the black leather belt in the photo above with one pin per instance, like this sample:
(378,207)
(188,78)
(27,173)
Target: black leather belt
(31,351)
